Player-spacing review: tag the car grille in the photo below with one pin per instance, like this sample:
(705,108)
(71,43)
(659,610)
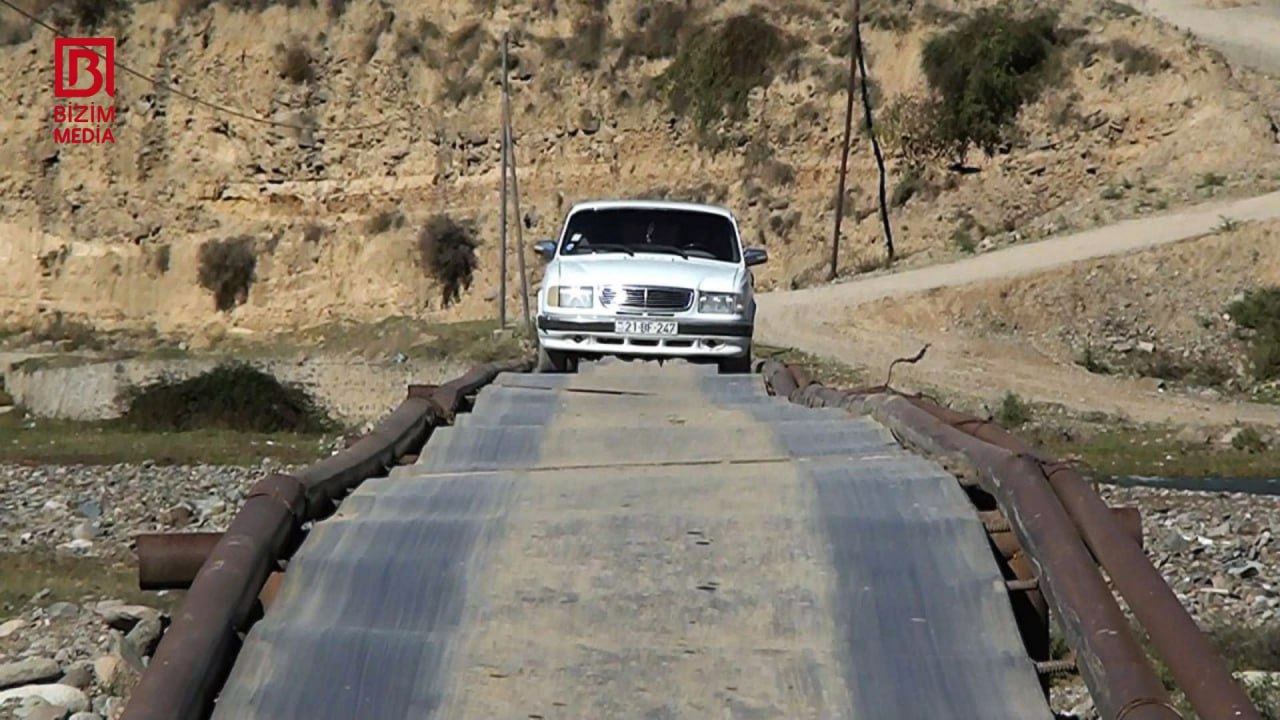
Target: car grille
(642,297)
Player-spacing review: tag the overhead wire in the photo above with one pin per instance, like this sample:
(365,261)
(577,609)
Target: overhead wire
(192,98)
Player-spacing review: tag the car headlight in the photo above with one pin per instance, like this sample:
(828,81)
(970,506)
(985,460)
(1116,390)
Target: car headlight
(720,303)
(568,296)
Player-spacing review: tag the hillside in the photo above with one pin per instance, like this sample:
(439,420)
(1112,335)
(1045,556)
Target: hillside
(1178,316)
(1135,118)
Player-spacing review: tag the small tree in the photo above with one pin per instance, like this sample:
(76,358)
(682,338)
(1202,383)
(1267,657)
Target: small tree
(227,270)
(984,70)
(447,253)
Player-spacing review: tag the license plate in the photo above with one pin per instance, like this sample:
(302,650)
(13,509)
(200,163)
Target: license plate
(645,327)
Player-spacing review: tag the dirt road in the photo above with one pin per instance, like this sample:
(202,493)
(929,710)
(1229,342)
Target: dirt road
(1246,31)
(823,321)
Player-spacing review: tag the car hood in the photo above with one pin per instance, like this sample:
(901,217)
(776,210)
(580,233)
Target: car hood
(643,269)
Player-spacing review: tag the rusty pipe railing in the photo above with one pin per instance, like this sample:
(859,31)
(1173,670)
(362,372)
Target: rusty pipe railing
(1119,675)
(195,655)
(1193,661)
(170,561)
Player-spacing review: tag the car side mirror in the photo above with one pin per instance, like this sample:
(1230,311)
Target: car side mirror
(755,256)
(546,249)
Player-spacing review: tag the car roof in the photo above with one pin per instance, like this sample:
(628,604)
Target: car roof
(651,205)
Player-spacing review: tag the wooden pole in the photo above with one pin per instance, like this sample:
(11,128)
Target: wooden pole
(502,212)
(509,143)
(871,131)
(844,152)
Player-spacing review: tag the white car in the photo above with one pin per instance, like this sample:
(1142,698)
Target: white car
(647,279)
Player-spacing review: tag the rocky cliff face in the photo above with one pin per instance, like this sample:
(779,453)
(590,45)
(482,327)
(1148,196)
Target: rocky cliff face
(405,98)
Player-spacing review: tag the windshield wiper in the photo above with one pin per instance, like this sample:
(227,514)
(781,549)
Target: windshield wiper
(668,249)
(608,247)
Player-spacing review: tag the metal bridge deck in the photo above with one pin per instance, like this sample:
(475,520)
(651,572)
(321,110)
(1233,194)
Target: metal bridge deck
(644,542)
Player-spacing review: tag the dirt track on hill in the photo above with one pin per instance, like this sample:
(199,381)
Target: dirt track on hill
(824,321)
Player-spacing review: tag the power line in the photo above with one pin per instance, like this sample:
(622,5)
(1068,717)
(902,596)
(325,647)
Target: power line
(192,98)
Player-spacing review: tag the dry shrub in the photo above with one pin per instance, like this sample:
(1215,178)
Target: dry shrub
(447,253)
(233,396)
(657,31)
(227,269)
(296,63)
(389,219)
(85,14)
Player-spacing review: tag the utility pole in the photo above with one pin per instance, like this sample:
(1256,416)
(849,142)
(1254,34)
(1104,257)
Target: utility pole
(871,131)
(844,150)
(502,212)
(509,156)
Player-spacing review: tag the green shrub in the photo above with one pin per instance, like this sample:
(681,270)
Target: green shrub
(963,240)
(1013,412)
(447,252)
(984,70)
(226,269)
(1259,311)
(1249,440)
(232,396)
(719,65)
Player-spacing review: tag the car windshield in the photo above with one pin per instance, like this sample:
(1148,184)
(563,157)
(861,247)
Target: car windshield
(684,233)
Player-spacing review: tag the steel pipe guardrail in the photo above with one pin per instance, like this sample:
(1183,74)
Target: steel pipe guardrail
(196,653)
(1067,530)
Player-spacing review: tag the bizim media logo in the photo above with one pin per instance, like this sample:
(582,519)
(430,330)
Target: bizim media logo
(83,68)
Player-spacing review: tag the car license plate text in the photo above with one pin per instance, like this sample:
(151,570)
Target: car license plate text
(645,327)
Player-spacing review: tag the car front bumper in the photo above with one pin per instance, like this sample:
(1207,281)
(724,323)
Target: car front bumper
(693,338)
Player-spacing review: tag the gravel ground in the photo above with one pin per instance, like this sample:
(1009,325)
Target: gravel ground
(1218,550)
(94,510)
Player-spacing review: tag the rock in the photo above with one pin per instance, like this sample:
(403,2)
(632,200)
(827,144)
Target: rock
(124,617)
(79,675)
(178,516)
(45,711)
(10,627)
(91,509)
(1259,679)
(1145,347)
(64,696)
(77,547)
(85,531)
(119,645)
(146,634)
(1176,542)
(85,716)
(25,672)
(1247,570)
(1230,436)
(1084,710)
(106,668)
(63,611)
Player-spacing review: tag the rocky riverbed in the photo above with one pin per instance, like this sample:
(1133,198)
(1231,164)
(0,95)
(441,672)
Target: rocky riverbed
(68,654)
